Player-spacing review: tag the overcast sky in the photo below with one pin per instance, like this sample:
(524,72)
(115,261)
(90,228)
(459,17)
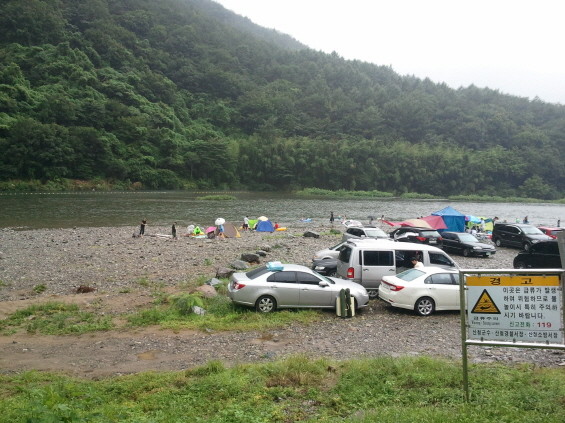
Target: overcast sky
(516,47)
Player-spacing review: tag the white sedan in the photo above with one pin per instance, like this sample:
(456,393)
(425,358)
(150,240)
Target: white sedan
(423,290)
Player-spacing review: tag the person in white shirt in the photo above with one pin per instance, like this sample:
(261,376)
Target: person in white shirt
(416,264)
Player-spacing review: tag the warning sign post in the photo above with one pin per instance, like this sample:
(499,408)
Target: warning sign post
(515,308)
(511,308)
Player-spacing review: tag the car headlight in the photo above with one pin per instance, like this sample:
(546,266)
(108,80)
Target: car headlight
(477,248)
(535,240)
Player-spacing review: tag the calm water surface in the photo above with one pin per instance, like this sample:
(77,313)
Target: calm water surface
(62,210)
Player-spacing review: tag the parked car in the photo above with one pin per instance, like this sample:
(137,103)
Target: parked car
(417,235)
(275,286)
(422,290)
(366,261)
(325,266)
(543,255)
(466,244)
(358,232)
(517,235)
(325,261)
(331,252)
(550,231)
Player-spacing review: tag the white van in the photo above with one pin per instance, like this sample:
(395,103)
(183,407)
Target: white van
(366,261)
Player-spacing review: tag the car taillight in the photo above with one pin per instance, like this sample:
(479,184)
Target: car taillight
(421,238)
(351,273)
(237,285)
(392,286)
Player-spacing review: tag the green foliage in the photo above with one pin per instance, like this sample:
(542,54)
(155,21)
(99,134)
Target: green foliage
(38,289)
(186,95)
(184,303)
(221,315)
(54,318)
(297,388)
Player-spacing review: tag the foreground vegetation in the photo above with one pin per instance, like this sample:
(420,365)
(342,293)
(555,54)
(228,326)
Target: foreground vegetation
(169,312)
(176,94)
(295,389)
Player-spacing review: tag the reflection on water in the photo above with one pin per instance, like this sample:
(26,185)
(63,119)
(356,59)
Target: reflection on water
(163,208)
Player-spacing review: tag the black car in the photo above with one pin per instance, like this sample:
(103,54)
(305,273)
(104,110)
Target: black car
(325,266)
(418,235)
(517,235)
(543,255)
(466,244)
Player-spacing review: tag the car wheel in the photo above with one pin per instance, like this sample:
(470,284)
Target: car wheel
(424,306)
(466,252)
(373,293)
(331,273)
(265,304)
(498,242)
(519,265)
(526,246)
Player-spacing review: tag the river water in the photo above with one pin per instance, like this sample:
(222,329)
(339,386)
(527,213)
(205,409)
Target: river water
(64,210)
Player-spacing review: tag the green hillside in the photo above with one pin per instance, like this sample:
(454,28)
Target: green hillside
(185,94)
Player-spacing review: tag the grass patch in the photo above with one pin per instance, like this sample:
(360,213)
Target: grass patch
(54,318)
(38,289)
(3,284)
(399,390)
(221,315)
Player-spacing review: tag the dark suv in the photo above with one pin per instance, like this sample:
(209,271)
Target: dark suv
(517,235)
(418,235)
(543,255)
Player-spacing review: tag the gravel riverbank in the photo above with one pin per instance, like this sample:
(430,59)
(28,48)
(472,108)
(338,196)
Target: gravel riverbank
(122,268)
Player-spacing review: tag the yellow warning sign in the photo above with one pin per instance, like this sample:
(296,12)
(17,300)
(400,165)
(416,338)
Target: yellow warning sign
(485,304)
(517,280)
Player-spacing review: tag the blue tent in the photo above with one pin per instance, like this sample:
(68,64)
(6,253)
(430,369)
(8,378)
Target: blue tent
(265,226)
(454,220)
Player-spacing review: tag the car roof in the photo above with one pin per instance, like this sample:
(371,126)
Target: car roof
(387,242)
(294,267)
(431,269)
(551,228)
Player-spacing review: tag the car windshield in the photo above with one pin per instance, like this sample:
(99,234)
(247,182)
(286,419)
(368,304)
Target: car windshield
(468,238)
(337,246)
(328,280)
(410,274)
(531,230)
(376,233)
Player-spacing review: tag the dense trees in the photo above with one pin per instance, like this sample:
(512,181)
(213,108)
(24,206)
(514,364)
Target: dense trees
(182,93)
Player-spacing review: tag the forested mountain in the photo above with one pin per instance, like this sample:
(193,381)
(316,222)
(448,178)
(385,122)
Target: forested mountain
(185,94)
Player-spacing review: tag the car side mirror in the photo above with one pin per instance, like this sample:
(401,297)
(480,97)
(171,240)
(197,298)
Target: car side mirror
(323,283)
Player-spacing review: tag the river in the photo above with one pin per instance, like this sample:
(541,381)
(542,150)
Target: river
(96,209)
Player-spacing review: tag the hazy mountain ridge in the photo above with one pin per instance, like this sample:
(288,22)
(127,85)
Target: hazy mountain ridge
(184,93)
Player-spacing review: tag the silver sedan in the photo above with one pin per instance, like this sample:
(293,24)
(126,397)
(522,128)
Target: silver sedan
(290,286)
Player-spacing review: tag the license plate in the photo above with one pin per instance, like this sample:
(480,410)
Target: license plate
(433,241)
(319,268)
(487,254)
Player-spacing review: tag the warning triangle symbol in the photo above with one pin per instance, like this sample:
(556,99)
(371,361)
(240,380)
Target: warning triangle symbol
(485,304)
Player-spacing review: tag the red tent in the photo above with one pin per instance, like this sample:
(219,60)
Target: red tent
(436,222)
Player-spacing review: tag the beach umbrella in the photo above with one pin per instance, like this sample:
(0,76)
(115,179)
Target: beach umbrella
(210,229)
(220,221)
(263,218)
